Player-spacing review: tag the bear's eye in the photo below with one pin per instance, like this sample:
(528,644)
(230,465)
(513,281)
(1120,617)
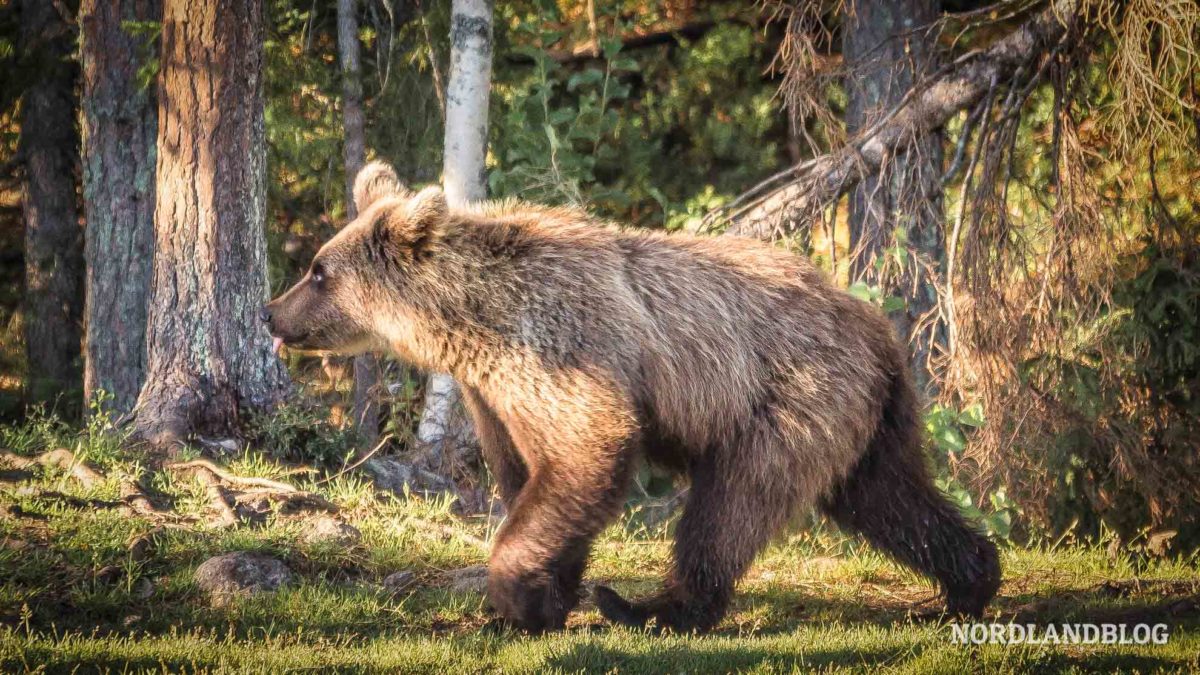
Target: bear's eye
(318,273)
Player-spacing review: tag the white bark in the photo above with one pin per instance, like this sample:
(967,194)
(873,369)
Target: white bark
(467,101)
(443,425)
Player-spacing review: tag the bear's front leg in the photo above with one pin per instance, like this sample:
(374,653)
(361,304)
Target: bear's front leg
(541,551)
(499,452)
(579,445)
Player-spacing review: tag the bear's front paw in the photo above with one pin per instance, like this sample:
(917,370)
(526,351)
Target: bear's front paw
(527,602)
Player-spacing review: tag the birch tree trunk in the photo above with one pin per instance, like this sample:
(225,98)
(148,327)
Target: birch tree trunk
(120,127)
(209,355)
(887,50)
(354,155)
(444,425)
(53,238)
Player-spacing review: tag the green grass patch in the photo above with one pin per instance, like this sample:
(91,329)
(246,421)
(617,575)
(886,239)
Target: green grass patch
(74,597)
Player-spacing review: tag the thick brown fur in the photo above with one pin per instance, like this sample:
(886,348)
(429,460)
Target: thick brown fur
(580,347)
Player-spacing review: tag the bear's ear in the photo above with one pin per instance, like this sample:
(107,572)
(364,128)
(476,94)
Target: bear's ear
(428,209)
(374,181)
(414,224)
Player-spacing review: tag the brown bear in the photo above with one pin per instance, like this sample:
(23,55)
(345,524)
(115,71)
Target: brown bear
(580,348)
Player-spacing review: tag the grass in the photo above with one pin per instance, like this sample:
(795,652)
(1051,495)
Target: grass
(813,601)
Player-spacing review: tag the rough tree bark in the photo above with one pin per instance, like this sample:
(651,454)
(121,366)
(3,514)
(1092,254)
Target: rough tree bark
(209,356)
(354,155)
(53,237)
(120,127)
(443,423)
(887,48)
(817,182)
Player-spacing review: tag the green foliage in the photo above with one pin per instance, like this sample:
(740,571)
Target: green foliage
(557,125)
(1161,327)
(1132,386)
(647,136)
(148,34)
(301,433)
(947,431)
(873,294)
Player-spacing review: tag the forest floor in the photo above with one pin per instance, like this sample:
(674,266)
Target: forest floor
(94,577)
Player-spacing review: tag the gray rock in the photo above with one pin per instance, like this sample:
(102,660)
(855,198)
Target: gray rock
(327,530)
(471,579)
(143,588)
(242,573)
(399,581)
(400,477)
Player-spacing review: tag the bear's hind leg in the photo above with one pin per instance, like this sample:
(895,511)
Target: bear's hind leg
(890,500)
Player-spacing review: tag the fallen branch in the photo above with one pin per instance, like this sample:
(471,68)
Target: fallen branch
(814,184)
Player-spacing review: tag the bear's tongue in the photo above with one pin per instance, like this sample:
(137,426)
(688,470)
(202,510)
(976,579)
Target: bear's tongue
(276,344)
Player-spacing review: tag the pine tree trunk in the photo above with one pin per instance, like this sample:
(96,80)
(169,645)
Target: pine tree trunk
(53,238)
(886,50)
(209,355)
(444,426)
(354,155)
(120,127)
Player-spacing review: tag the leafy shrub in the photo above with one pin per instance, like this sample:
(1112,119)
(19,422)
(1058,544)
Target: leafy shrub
(299,433)
(947,431)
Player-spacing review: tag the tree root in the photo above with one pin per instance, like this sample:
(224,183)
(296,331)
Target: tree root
(239,481)
(228,493)
(60,458)
(133,500)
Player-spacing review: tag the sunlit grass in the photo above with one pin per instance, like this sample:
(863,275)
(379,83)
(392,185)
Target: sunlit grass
(814,600)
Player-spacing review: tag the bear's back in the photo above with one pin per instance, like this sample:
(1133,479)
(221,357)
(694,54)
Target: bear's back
(708,324)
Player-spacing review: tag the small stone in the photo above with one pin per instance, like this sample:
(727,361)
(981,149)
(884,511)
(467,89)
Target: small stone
(399,581)
(109,574)
(400,477)
(471,579)
(327,530)
(242,573)
(141,547)
(143,588)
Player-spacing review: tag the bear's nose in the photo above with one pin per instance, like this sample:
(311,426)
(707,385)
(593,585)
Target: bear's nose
(264,315)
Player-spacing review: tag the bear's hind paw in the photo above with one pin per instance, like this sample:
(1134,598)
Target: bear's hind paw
(619,610)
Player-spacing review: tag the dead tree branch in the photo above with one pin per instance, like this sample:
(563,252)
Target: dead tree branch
(768,211)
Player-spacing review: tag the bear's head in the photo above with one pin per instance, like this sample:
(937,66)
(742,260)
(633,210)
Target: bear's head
(355,280)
